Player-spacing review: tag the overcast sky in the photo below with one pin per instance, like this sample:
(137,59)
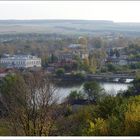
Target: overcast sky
(119,11)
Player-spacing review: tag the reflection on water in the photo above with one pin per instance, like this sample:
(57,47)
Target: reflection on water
(65,88)
(129,80)
(114,88)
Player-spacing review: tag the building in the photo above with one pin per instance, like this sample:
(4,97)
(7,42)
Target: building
(117,61)
(67,56)
(73,50)
(133,60)
(20,61)
(64,56)
(79,50)
(123,62)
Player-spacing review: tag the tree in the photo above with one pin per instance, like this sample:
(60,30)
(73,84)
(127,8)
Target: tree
(85,65)
(111,53)
(97,42)
(117,53)
(99,128)
(108,106)
(115,126)
(136,85)
(75,95)
(29,101)
(133,90)
(79,75)
(111,67)
(82,41)
(93,90)
(44,60)
(53,58)
(67,67)
(60,72)
(93,63)
(132,118)
(138,74)
(75,66)
(97,58)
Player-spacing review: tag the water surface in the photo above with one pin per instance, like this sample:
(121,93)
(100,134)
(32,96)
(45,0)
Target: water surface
(64,89)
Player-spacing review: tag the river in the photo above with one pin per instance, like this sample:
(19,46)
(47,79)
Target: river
(64,89)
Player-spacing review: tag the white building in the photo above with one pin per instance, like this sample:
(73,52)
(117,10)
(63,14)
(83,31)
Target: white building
(123,62)
(21,61)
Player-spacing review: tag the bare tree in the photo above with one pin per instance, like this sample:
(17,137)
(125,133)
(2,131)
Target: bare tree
(30,103)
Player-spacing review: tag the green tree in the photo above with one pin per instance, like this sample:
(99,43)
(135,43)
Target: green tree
(93,90)
(97,58)
(75,95)
(79,75)
(111,53)
(133,90)
(117,53)
(60,72)
(111,68)
(115,126)
(83,41)
(132,118)
(136,85)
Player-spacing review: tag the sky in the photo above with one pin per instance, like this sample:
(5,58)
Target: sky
(117,11)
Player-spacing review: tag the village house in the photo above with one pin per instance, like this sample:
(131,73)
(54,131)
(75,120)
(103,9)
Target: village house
(68,54)
(121,60)
(133,61)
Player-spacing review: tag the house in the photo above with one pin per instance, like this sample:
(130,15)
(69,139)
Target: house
(79,50)
(67,56)
(112,60)
(122,62)
(64,56)
(73,50)
(117,61)
(133,61)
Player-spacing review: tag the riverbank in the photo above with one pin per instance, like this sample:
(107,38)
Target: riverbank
(114,78)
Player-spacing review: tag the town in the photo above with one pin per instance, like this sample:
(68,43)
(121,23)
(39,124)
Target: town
(77,62)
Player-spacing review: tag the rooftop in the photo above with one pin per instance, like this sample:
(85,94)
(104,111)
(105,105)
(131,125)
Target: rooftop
(75,46)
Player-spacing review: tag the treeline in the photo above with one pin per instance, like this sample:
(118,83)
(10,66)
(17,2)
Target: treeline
(30,108)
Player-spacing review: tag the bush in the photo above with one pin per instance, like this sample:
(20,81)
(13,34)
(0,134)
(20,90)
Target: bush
(75,95)
(79,75)
(111,68)
(60,72)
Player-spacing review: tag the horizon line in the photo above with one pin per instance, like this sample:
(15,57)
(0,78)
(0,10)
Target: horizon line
(71,20)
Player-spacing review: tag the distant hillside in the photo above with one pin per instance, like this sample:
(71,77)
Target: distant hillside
(67,26)
(55,21)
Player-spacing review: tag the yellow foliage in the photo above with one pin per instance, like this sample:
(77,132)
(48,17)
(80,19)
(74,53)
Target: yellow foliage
(86,61)
(132,119)
(97,128)
(138,74)
(101,127)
